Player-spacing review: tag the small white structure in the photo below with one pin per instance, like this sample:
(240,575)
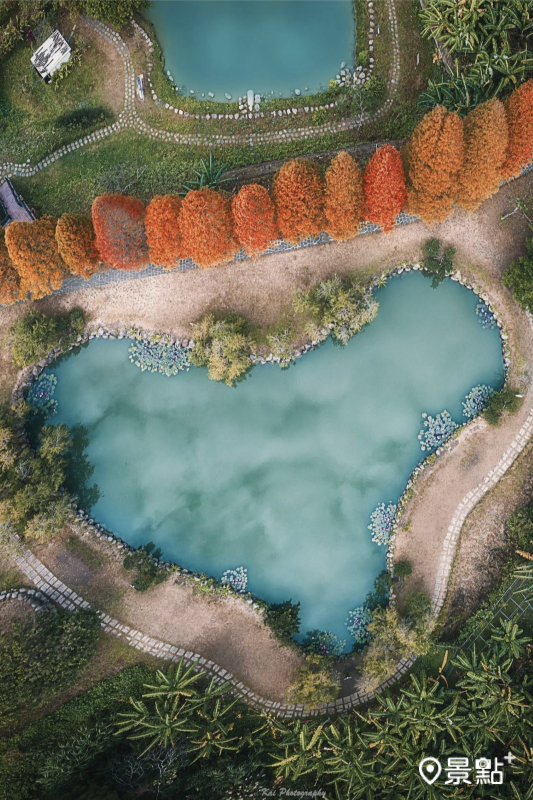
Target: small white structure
(51,55)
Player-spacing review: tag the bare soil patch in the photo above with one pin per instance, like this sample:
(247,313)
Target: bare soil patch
(224,630)
(485,545)
(105,60)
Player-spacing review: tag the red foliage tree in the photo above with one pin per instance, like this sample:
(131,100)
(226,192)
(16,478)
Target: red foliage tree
(9,277)
(162,230)
(343,207)
(485,132)
(206,229)
(298,194)
(384,187)
(119,227)
(519,114)
(254,218)
(76,243)
(434,157)
(33,250)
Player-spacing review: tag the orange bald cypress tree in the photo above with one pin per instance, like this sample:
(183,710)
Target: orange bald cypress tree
(343,206)
(434,158)
(9,279)
(384,187)
(206,227)
(162,230)
(254,220)
(33,250)
(485,135)
(76,243)
(519,114)
(298,194)
(119,227)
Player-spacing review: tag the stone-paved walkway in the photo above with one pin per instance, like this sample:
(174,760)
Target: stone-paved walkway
(130,119)
(51,588)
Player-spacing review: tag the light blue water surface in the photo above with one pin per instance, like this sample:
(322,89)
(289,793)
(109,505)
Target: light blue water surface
(268,46)
(280,474)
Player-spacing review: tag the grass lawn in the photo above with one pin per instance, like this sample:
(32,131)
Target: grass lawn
(124,163)
(36,117)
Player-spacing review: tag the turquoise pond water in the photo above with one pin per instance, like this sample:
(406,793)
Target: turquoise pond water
(280,474)
(269,46)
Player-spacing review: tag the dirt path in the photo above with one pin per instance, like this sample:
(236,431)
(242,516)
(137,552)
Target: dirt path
(223,630)
(261,288)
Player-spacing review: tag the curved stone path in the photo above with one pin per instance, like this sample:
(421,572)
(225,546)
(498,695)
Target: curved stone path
(130,119)
(56,591)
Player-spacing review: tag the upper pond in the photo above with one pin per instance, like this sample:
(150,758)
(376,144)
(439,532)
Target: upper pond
(269,46)
(280,474)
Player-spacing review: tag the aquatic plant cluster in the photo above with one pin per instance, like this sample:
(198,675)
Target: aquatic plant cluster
(324,643)
(41,395)
(381,522)
(485,315)
(476,400)
(236,578)
(358,622)
(436,430)
(169,359)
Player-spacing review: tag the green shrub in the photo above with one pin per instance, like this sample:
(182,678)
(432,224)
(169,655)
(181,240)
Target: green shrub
(117,12)
(43,655)
(416,605)
(284,618)
(223,346)
(315,684)
(363,58)
(504,400)
(24,755)
(35,335)
(518,277)
(336,305)
(144,560)
(320,116)
(402,570)
(36,486)
(73,758)
(437,265)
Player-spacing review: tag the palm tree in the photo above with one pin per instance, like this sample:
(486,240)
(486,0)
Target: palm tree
(213,725)
(495,708)
(163,725)
(177,682)
(507,640)
(299,749)
(347,761)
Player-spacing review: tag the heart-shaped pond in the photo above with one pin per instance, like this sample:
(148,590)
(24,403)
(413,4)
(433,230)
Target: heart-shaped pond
(280,475)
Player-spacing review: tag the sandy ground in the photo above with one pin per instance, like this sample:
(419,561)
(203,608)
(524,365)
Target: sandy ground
(260,289)
(485,545)
(223,630)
